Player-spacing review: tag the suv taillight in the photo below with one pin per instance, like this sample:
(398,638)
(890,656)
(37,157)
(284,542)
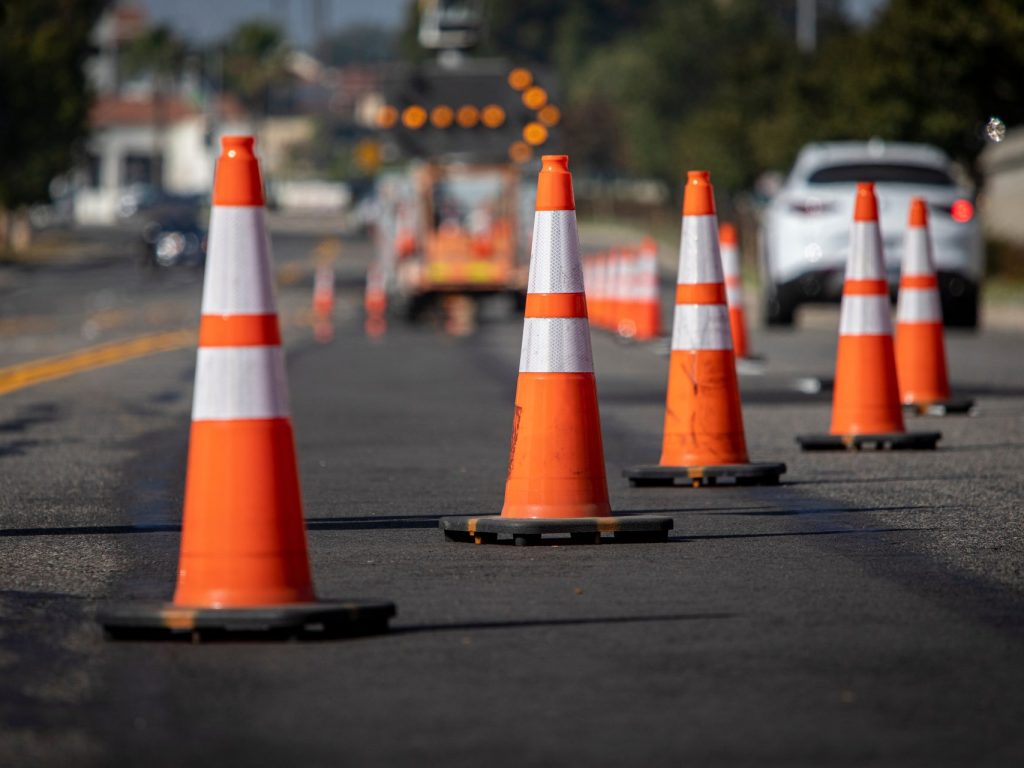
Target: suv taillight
(962,210)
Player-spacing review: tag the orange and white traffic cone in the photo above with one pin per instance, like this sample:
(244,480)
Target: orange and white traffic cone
(602,314)
(920,347)
(613,290)
(703,440)
(556,480)
(375,302)
(323,302)
(647,300)
(866,408)
(243,565)
(625,327)
(734,288)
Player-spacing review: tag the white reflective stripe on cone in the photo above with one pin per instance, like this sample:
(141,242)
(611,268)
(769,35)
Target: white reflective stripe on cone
(917,258)
(699,258)
(918,305)
(701,326)
(240,383)
(734,295)
(865,316)
(865,261)
(238,279)
(556,345)
(555,259)
(730,261)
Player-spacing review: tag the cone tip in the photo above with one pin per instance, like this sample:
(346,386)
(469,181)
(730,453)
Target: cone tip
(918,212)
(554,184)
(698,197)
(866,205)
(235,143)
(556,163)
(727,233)
(237,180)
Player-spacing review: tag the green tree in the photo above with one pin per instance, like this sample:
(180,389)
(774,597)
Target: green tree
(44,100)
(936,70)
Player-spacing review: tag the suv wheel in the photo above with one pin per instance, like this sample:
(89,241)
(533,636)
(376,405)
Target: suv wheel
(778,308)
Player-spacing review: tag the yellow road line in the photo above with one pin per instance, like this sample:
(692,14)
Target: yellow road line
(23,375)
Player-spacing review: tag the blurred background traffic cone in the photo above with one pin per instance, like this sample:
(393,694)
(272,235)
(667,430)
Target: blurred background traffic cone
(647,307)
(866,408)
(703,439)
(628,283)
(243,566)
(323,302)
(920,347)
(556,480)
(734,288)
(616,278)
(375,302)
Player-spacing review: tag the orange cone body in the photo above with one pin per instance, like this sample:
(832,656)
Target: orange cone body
(243,539)
(647,304)
(866,398)
(734,288)
(556,463)
(703,420)
(920,347)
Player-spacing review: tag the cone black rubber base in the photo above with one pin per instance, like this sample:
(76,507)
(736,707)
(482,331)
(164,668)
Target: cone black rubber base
(524,531)
(895,441)
(755,473)
(941,408)
(307,621)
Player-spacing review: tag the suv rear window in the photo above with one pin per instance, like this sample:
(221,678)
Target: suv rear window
(881,172)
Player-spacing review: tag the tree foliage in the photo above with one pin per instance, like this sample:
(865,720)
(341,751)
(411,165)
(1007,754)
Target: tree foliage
(658,86)
(44,101)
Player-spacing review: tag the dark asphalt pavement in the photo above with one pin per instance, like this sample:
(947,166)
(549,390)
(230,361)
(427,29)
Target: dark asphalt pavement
(870,611)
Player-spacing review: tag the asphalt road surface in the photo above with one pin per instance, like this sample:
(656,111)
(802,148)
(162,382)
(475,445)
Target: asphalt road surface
(869,611)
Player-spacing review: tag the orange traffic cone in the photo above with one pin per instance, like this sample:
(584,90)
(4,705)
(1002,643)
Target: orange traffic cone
(920,348)
(703,439)
(375,302)
(243,565)
(646,309)
(603,290)
(556,480)
(865,400)
(323,302)
(734,288)
(616,274)
(628,274)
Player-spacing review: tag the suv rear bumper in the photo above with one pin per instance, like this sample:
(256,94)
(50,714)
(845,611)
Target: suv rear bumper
(958,293)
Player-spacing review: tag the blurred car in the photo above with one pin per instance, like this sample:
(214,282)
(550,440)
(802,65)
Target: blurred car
(174,242)
(805,230)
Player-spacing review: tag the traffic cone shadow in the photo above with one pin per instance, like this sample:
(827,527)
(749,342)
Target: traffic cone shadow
(866,410)
(704,441)
(244,568)
(556,480)
(920,346)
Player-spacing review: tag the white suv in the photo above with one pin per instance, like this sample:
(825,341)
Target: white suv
(805,230)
